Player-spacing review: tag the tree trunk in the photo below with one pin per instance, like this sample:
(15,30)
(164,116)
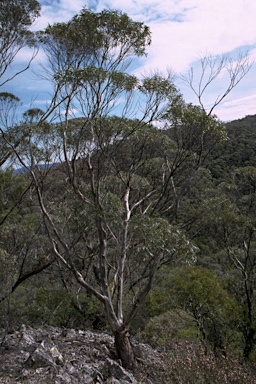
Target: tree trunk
(249,342)
(124,348)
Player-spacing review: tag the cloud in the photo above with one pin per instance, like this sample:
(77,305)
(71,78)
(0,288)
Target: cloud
(237,108)
(182,30)
(57,11)
(209,26)
(26,54)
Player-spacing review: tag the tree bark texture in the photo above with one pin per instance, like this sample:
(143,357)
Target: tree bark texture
(124,348)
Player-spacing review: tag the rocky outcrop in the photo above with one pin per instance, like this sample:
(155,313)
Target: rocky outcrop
(61,356)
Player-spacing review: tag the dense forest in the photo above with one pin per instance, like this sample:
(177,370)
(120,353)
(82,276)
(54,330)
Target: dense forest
(138,216)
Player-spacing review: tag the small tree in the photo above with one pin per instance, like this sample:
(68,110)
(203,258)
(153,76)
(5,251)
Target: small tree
(240,246)
(201,293)
(124,174)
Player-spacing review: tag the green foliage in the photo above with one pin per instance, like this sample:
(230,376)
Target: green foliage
(7,272)
(88,35)
(198,285)
(32,115)
(155,234)
(238,151)
(201,295)
(193,129)
(8,107)
(162,86)
(8,97)
(57,307)
(162,330)
(15,18)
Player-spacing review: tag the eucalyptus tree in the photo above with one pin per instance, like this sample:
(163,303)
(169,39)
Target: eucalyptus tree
(23,244)
(112,225)
(195,134)
(16,16)
(201,294)
(88,57)
(128,176)
(9,104)
(22,252)
(124,173)
(240,245)
(227,242)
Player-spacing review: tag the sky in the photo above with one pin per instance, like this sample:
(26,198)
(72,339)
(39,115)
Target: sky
(182,32)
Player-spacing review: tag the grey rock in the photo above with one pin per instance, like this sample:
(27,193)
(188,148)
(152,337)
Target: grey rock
(27,341)
(116,371)
(39,358)
(60,356)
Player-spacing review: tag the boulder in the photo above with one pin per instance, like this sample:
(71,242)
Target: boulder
(56,355)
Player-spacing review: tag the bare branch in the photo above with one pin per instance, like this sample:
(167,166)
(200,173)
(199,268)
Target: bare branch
(211,69)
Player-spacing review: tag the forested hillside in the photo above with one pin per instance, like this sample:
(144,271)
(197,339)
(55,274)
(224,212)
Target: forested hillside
(204,291)
(238,151)
(136,217)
